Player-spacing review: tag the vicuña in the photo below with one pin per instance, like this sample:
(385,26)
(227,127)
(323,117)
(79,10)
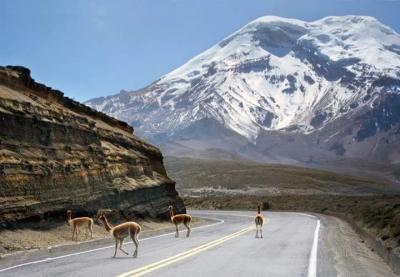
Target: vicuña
(121,231)
(259,221)
(179,219)
(78,222)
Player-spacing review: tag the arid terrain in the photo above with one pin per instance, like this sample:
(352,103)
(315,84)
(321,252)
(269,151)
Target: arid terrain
(198,177)
(50,233)
(371,204)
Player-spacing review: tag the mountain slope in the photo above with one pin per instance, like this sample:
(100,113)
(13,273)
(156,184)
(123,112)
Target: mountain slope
(288,91)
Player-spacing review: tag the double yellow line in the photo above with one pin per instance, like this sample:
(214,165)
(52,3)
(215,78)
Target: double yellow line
(184,255)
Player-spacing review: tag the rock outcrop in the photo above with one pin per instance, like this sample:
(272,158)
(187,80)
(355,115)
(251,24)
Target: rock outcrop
(57,154)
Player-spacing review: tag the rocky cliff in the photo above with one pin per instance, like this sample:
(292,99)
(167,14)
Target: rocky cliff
(57,154)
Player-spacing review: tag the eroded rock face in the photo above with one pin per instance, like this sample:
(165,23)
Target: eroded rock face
(57,154)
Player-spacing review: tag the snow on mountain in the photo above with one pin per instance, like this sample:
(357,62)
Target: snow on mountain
(274,74)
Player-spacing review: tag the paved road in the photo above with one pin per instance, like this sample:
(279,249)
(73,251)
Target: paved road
(294,244)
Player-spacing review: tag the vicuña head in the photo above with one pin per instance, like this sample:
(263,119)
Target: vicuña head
(171,211)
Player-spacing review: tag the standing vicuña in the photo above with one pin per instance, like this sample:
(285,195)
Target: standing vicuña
(178,219)
(259,221)
(121,231)
(78,222)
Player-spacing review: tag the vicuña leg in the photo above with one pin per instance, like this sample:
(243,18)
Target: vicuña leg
(87,231)
(136,242)
(73,233)
(256,231)
(116,247)
(177,231)
(91,229)
(187,225)
(261,231)
(121,241)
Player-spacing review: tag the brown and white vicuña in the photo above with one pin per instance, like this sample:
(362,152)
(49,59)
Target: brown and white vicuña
(78,222)
(122,231)
(259,220)
(184,219)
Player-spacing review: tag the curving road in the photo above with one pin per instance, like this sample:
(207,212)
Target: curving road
(294,244)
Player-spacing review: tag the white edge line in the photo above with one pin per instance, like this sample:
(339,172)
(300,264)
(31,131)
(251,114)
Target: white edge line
(220,221)
(304,214)
(312,264)
(239,215)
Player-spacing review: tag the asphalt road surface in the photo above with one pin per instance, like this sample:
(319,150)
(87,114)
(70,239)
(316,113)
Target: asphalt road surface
(294,244)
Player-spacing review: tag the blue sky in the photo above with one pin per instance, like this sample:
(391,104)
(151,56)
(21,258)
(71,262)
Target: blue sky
(96,48)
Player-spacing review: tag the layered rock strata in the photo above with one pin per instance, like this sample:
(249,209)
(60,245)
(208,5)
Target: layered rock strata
(57,154)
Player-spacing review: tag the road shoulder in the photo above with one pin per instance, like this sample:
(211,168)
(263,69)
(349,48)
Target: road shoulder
(344,253)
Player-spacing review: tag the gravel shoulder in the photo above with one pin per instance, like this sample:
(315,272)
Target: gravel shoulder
(343,252)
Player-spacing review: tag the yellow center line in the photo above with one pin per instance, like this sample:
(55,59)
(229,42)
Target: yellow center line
(184,255)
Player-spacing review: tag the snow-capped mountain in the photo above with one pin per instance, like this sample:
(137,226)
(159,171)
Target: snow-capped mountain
(278,89)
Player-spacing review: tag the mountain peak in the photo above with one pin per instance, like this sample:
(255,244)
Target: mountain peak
(273,75)
(268,19)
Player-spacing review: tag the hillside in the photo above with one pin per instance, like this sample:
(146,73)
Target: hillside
(199,177)
(57,154)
